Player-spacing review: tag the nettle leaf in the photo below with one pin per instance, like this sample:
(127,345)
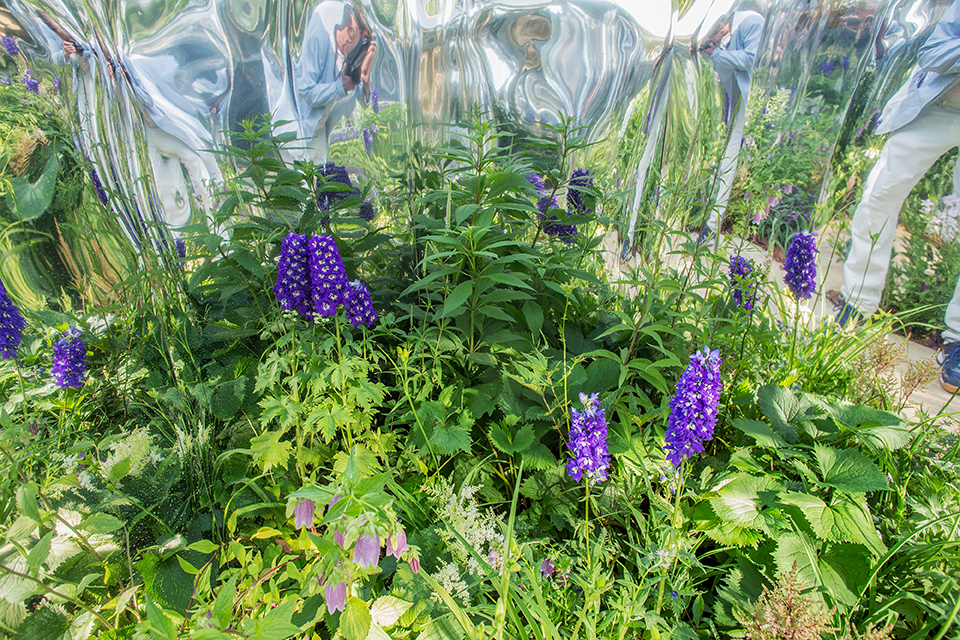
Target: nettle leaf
(745,502)
(510,441)
(761,432)
(846,520)
(878,430)
(269,452)
(448,439)
(848,470)
(722,532)
(538,457)
(785,409)
(845,569)
(355,620)
(386,610)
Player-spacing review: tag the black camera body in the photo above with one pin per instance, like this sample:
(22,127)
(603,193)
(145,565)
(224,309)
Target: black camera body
(351,66)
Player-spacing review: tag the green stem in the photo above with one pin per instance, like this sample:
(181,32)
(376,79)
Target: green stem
(58,594)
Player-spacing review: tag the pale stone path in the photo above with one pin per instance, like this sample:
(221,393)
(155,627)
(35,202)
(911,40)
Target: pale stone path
(932,399)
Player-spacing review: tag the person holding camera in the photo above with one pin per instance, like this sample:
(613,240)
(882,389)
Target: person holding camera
(333,68)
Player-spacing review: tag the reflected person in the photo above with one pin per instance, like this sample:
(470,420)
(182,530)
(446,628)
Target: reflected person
(734,64)
(924,118)
(334,67)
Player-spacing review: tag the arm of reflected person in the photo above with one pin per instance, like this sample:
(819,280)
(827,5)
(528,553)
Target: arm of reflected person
(318,63)
(745,43)
(365,67)
(941,52)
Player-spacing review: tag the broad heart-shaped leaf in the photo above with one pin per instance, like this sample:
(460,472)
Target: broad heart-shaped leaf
(848,470)
(275,625)
(760,432)
(742,501)
(846,520)
(724,532)
(510,441)
(841,569)
(879,430)
(269,452)
(355,620)
(449,438)
(34,198)
(785,409)
(386,610)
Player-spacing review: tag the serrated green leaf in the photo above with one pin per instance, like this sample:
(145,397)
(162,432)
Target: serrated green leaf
(845,569)
(742,501)
(355,620)
(514,441)
(846,520)
(848,470)
(38,554)
(448,439)
(761,432)
(784,409)
(275,625)
(161,627)
(386,610)
(456,298)
(101,522)
(222,610)
(269,451)
(27,500)
(533,314)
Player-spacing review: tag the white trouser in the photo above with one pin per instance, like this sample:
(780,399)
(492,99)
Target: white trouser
(905,158)
(728,167)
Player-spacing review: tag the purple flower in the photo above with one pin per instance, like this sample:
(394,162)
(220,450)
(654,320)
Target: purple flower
(328,197)
(415,564)
(327,275)
(588,441)
(69,360)
(547,568)
(537,181)
(12,324)
(693,409)
(56,82)
(10,45)
(743,282)
(303,513)
(579,178)
(397,545)
(181,246)
(845,62)
(338,538)
(826,67)
(32,83)
(336,597)
(356,300)
(34,428)
(375,101)
(367,552)
(551,225)
(293,285)
(367,141)
(366,211)
(5,80)
(801,264)
(98,186)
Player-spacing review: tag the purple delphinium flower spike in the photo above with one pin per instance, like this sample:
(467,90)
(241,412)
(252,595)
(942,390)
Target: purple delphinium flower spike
(537,181)
(12,324)
(366,211)
(579,178)
(743,282)
(181,246)
(327,275)
(826,67)
(375,101)
(98,186)
(32,83)
(801,264)
(69,360)
(551,226)
(367,141)
(327,197)
(356,300)
(588,441)
(56,82)
(367,552)
(693,409)
(303,513)
(10,45)
(293,286)
(336,595)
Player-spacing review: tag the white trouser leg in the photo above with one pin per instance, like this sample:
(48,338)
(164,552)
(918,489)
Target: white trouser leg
(728,167)
(905,158)
(952,317)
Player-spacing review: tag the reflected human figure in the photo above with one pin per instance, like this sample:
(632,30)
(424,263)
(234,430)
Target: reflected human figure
(924,118)
(734,65)
(325,90)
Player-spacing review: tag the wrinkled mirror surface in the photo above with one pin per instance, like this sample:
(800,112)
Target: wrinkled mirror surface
(737,104)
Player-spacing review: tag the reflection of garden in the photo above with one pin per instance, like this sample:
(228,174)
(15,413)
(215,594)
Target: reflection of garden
(405,397)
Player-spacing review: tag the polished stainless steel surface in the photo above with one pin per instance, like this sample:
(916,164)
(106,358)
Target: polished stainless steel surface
(155,85)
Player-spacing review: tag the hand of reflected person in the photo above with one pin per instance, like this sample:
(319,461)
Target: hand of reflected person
(348,84)
(69,48)
(708,48)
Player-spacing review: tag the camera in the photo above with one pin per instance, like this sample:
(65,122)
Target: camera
(351,66)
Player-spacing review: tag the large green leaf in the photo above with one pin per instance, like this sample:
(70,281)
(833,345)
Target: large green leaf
(879,430)
(846,569)
(29,200)
(760,432)
(846,520)
(355,620)
(510,440)
(742,502)
(785,409)
(275,625)
(269,451)
(848,470)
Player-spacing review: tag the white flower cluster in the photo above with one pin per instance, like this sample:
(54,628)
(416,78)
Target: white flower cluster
(946,218)
(135,448)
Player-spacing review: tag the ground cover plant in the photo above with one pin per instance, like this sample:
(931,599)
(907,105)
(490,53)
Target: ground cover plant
(449,422)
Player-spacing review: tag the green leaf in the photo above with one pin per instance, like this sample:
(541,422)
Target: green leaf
(801,550)
(742,501)
(447,439)
(222,610)
(161,627)
(514,442)
(38,555)
(203,546)
(845,569)
(784,409)
(848,470)
(27,500)
(101,523)
(29,200)
(275,625)
(269,451)
(386,610)
(760,432)
(355,620)
(846,520)
(456,298)
(533,314)
(228,397)
(377,632)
